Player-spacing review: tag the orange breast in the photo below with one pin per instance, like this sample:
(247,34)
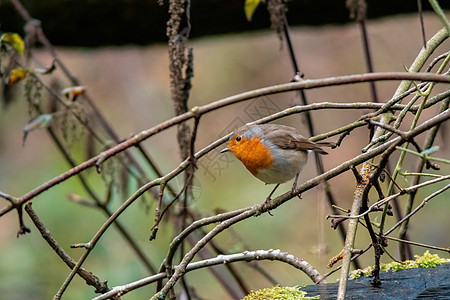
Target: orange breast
(253,154)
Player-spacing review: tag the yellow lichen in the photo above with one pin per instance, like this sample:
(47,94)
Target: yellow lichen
(428,260)
(279,293)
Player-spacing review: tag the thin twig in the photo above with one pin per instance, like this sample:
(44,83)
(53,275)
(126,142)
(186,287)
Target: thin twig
(422,25)
(8,197)
(438,10)
(235,292)
(422,204)
(195,225)
(158,213)
(418,244)
(91,279)
(376,205)
(436,60)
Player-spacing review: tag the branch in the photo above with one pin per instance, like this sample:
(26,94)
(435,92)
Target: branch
(422,204)
(8,197)
(376,206)
(195,225)
(91,279)
(438,10)
(418,244)
(247,256)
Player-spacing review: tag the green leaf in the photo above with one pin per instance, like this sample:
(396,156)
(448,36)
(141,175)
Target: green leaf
(250,7)
(14,40)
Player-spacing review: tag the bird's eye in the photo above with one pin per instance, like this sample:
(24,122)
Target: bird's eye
(238,138)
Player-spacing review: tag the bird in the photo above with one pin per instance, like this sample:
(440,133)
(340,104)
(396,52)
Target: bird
(273,153)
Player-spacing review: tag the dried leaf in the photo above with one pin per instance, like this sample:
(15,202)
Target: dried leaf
(16,75)
(73,92)
(14,40)
(41,121)
(250,7)
(48,70)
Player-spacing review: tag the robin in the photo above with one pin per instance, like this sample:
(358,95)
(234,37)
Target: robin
(272,153)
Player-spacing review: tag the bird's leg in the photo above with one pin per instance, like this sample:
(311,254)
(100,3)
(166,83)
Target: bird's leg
(269,197)
(294,186)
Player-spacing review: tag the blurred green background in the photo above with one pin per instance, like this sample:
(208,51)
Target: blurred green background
(131,86)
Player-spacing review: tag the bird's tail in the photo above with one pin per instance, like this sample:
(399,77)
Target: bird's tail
(319,149)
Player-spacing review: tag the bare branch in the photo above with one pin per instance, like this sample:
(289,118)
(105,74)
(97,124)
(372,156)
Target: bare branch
(418,244)
(410,189)
(8,197)
(422,204)
(91,279)
(247,256)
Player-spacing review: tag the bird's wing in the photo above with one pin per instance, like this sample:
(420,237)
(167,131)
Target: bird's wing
(286,139)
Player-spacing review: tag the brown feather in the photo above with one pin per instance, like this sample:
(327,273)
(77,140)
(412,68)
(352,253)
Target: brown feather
(287,137)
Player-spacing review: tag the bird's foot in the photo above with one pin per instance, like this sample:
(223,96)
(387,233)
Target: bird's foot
(294,190)
(266,205)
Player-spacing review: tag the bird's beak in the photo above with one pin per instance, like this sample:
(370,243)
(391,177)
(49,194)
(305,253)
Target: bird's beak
(225,150)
